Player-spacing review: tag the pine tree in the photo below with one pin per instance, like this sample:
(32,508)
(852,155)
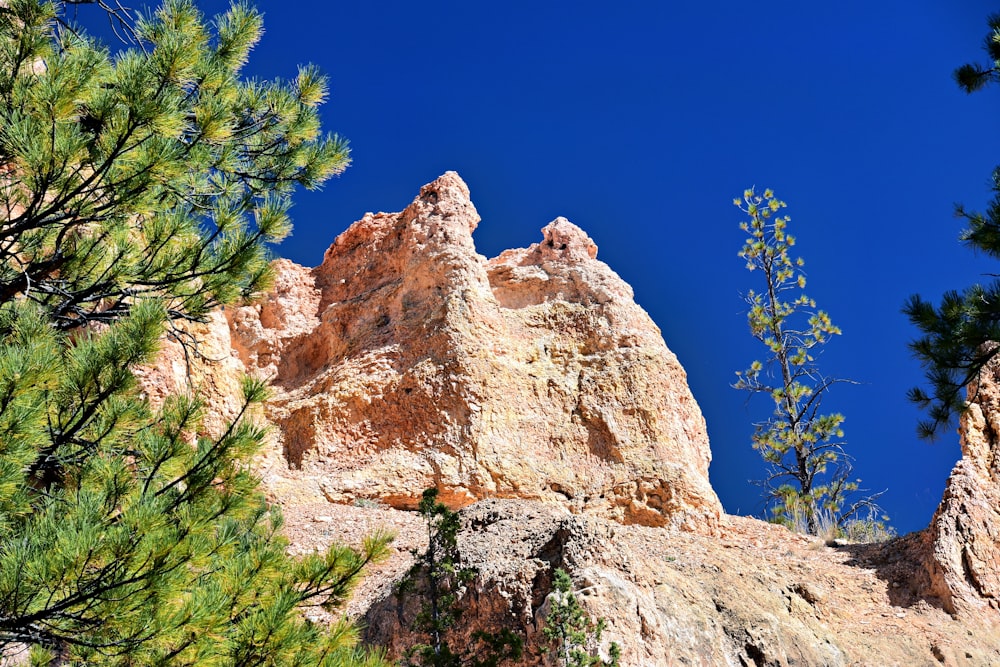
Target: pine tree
(574,634)
(809,477)
(438,576)
(958,337)
(137,191)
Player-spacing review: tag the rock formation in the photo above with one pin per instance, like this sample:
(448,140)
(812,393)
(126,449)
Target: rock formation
(753,594)
(406,360)
(209,368)
(963,568)
(531,390)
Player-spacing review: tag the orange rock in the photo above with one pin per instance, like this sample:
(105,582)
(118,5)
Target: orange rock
(407,360)
(963,567)
(533,381)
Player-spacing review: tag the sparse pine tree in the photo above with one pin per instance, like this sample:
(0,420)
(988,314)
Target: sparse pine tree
(438,576)
(809,471)
(137,191)
(573,634)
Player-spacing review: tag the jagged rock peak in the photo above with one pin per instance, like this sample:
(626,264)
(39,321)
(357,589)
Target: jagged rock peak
(407,360)
(562,239)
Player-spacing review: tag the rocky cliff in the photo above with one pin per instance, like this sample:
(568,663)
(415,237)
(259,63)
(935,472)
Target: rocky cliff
(963,570)
(407,360)
(531,390)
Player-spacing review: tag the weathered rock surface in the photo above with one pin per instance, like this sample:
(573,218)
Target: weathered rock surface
(963,540)
(533,384)
(407,360)
(754,594)
(210,369)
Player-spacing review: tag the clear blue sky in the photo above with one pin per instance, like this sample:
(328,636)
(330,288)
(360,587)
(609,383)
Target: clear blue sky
(640,121)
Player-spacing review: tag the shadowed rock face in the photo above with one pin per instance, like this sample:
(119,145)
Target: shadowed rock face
(408,360)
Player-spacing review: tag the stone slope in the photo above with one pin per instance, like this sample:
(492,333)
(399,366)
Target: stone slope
(407,360)
(754,594)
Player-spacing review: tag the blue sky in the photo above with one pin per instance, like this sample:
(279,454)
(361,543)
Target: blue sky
(640,121)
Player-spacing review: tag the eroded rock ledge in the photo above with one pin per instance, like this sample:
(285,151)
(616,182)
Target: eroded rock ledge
(754,594)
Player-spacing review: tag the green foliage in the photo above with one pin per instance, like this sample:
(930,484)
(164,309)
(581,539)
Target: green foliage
(441,569)
(160,173)
(809,470)
(861,528)
(440,564)
(959,337)
(134,192)
(972,77)
(868,529)
(574,635)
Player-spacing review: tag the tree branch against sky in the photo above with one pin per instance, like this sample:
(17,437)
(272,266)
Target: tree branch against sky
(958,337)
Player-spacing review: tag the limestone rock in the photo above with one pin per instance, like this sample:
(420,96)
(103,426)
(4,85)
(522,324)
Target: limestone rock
(963,567)
(199,359)
(279,321)
(407,360)
(531,389)
(202,359)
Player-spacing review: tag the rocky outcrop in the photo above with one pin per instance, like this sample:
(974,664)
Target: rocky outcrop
(532,390)
(753,594)
(407,360)
(962,565)
(198,358)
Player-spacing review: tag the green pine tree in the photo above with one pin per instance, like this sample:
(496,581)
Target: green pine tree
(438,576)
(959,337)
(137,190)
(809,479)
(575,636)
